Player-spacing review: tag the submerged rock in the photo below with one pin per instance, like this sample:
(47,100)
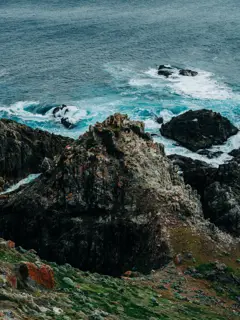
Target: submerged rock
(188,73)
(104,206)
(199,129)
(23,149)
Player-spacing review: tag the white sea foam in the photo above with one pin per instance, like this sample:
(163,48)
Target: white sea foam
(3,72)
(19,109)
(72,113)
(24,181)
(202,86)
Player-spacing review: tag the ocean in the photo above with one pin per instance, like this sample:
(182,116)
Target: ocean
(101,57)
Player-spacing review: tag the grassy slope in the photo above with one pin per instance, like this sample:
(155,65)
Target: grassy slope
(170,293)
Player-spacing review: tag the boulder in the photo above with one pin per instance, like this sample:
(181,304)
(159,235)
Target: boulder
(199,129)
(188,73)
(62,112)
(23,149)
(166,73)
(159,120)
(104,206)
(218,188)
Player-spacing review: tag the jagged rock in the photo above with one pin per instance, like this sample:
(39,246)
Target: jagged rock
(198,174)
(199,129)
(218,188)
(159,120)
(47,165)
(188,73)
(62,112)
(23,149)
(104,206)
(210,154)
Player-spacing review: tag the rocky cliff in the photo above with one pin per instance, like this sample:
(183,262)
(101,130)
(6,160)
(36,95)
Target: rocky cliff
(23,149)
(107,203)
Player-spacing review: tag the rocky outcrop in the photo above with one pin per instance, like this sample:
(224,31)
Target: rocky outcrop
(22,150)
(167,71)
(104,205)
(62,113)
(199,129)
(218,188)
(188,73)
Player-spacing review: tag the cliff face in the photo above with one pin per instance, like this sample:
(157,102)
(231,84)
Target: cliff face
(22,150)
(105,204)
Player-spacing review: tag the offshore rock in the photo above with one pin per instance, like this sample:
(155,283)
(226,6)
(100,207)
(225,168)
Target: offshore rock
(218,188)
(23,149)
(104,206)
(188,73)
(62,113)
(199,129)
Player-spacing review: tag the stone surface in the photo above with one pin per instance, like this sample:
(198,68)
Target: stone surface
(62,112)
(103,208)
(199,129)
(218,188)
(23,149)
(188,73)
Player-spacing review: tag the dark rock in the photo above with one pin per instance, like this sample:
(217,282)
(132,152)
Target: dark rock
(235,153)
(60,108)
(198,174)
(61,112)
(187,72)
(67,124)
(163,66)
(159,120)
(165,73)
(218,188)
(199,129)
(98,209)
(210,154)
(23,149)
(47,165)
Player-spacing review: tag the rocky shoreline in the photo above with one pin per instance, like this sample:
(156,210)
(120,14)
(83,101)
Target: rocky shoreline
(112,201)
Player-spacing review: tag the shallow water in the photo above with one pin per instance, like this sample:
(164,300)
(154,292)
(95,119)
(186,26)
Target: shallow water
(101,57)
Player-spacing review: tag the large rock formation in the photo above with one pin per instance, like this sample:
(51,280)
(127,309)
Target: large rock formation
(104,205)
(199,129)
(22,149)
(219,190)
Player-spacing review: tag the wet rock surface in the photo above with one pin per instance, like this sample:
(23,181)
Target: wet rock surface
(166,70)
(199,129)
(188,73)
(102,207)
(23,149)
(62,112)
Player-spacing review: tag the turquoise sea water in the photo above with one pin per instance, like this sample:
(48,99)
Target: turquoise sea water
(101,57)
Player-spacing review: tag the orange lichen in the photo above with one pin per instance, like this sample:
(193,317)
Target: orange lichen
(10,244)
(43,275)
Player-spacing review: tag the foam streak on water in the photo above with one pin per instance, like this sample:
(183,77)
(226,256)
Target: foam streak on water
(143,95)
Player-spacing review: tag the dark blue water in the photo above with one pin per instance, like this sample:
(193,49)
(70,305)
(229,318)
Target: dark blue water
(101,57)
